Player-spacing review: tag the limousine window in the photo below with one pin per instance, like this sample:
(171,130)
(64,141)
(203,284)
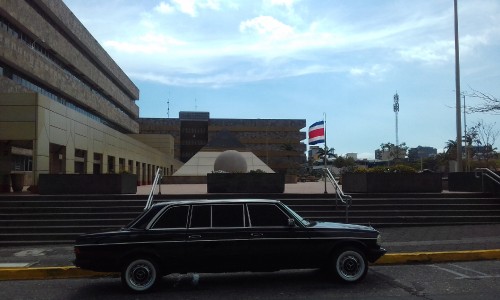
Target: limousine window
(227,215)
(201,216)
(266,215)
(220,215)
(173,217)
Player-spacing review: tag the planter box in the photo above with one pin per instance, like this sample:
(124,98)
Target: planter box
(467,182)
(245,183)
(291,178)
(392,183)
(17,181)
(54,184)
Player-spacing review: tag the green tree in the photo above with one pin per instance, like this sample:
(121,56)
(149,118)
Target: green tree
(395,152)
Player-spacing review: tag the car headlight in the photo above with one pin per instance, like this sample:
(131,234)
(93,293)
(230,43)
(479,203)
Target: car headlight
(379,239)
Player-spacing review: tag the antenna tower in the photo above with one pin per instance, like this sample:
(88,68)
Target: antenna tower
(396,110)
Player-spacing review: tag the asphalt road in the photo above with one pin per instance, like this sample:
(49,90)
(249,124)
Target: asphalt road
(445,281)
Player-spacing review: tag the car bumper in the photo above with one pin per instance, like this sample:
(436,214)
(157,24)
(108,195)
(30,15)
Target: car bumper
(374,254)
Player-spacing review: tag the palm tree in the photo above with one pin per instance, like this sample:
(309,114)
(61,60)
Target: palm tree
(450,149)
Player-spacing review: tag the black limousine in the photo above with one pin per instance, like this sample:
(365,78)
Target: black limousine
(226,236)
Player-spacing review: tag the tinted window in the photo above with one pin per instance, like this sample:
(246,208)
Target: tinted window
(201,216)
(227,215)
(174,217)
(143,219)
(267,215)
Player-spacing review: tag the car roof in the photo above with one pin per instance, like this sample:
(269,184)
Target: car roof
(218,201)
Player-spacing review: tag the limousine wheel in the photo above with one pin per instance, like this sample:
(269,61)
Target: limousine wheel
(350,265)
(140,275)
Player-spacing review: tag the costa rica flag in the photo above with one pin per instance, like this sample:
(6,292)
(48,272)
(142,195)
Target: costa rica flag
(317,133)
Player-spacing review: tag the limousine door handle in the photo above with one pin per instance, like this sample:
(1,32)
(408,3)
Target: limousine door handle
(194,236)
(256,234)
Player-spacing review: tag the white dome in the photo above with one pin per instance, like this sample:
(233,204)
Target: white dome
(230,161)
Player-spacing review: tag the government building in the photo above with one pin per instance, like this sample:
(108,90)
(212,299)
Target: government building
(67,108)
(65,105)
(277,142)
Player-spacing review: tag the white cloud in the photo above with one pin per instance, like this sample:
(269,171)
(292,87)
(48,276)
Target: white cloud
(147,44)
(375,71)
(188,7)
(437,52)
(267,26)
(286,3)
(164,8)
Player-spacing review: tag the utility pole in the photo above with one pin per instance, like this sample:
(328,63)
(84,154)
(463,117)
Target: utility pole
(457,93)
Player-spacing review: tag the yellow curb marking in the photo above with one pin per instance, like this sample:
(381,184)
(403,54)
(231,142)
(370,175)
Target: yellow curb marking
(49,273)
(421,257)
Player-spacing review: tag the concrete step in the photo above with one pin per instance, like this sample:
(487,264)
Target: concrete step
(60,219)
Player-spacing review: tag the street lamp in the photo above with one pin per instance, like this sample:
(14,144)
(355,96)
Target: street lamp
(457,93)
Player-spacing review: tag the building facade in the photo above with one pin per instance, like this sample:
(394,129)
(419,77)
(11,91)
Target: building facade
(65,105)
(421,152)
(277,142)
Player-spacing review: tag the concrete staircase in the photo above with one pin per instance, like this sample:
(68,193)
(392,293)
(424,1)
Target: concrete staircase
(31,219)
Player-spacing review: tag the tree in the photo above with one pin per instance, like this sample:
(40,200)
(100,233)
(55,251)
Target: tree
(484,136)
(490,104)
(395,152)
(344,162)
(450,149)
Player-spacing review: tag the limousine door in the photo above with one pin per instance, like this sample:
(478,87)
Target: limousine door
(217,239)
(276,244)
(167,236)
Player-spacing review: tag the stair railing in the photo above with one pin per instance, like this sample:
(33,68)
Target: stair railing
(158,177)
(485,172)
(345,199)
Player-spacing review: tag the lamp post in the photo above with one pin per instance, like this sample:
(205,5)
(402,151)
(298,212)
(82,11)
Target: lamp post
(457,93)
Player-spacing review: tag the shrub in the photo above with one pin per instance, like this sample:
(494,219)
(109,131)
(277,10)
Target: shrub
(392,169)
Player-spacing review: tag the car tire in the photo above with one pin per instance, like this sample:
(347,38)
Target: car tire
(140,275)
(349,265)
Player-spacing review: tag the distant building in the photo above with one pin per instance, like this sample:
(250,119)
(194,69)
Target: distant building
(352,155)
(387,155)
(313,153)
(415,154)
(277,142)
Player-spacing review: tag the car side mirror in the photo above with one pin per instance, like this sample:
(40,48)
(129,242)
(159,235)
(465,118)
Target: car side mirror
(291,222)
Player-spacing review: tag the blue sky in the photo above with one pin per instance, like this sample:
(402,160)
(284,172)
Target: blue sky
(299,59)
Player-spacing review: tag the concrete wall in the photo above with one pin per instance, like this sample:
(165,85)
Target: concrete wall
(75,55)
(34,117)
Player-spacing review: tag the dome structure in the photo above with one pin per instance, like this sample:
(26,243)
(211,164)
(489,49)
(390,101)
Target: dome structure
(230,161)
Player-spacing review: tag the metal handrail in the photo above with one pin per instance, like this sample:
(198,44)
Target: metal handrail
(346,199)
(158,177)
(485,172)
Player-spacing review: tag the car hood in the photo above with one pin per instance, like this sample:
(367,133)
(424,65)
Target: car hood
(342,226)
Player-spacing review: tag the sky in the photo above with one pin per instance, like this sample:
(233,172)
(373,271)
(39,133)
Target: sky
(342,61)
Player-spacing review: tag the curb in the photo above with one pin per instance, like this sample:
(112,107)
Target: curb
(427,257)
(388,259)
(49,273)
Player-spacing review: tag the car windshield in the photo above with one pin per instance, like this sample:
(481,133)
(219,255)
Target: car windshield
(297,216)
(142,220)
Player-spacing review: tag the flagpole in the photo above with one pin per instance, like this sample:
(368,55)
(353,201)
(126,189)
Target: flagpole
(325,155)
